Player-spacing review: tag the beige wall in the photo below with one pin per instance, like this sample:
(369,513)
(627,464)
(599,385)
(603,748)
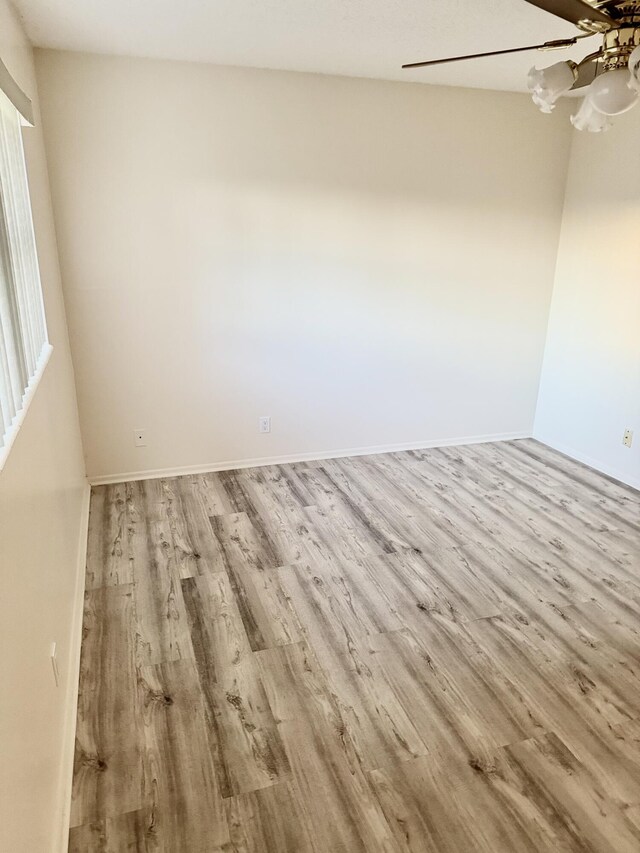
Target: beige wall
(369,263)
(590,389)
(42,490)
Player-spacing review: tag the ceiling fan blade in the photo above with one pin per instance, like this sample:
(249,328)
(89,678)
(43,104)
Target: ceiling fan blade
(573,11)
(548,45)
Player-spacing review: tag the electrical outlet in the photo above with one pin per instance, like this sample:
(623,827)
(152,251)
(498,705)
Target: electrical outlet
(54,663)
(140,438)
(264,423)
(627,438)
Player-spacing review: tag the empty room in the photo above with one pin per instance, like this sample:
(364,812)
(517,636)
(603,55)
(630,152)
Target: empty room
(320,426)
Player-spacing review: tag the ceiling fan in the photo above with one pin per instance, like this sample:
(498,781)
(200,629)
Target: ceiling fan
(611,73)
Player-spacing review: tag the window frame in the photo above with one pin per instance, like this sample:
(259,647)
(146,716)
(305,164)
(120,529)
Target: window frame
(26,286)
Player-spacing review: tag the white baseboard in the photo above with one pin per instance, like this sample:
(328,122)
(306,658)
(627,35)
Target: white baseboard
(614,473)
(313,456)
(61,841)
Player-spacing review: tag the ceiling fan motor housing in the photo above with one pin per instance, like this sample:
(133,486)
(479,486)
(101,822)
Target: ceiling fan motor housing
(620,41)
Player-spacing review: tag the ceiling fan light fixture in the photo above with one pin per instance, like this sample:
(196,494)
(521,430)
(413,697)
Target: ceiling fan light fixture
(548,84)
(611,94)
(589,118)
(611,71)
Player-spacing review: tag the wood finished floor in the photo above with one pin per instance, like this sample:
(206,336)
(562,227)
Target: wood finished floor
(431,650)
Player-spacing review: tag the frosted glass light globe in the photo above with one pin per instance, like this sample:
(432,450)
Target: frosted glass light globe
(587,118)
(548,84)
(611,94)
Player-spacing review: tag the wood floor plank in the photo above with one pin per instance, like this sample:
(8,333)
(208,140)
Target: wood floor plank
(284,486)
(107,554)
(552,698)
(582,809)
(211,492)
(196,548)
(356,701)
(359,519)
(336,616)
(534,795)
(188,809)
(240,487)
(618,637)
(555,486)
(268,819)
(264,606)
(436,582)
(278,501)
(335,800)
(459,701)
(433,650)
(454,811)
(131,832)
(591,667)
(588,478)
(327,536)
(246,745)
(110,762)
(161,619)
(438,513)
(338,805)
(554,572)
(380,728)
(616,571)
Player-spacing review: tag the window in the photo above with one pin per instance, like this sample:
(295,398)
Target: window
(24,349)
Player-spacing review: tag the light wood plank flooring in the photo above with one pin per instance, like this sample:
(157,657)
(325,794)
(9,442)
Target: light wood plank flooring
(431,651)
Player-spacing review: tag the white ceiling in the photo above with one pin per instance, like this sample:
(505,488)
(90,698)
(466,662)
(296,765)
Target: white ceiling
(361,38)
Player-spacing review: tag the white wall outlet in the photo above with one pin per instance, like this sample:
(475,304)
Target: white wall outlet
(140,437)
(627,438)
(54,663)
(264,423)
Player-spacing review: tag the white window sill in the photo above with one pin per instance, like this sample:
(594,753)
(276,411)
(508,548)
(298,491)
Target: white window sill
(14,429)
